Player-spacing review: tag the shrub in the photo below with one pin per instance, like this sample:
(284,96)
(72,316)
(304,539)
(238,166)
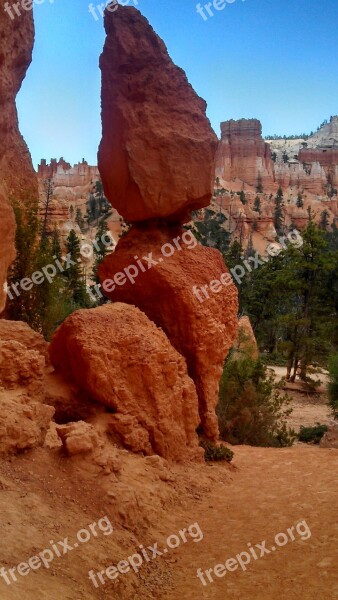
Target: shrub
(312,434)
(212,452)
(251,408)
(333,384)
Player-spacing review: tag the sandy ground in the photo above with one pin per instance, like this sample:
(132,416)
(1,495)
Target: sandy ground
(44,498)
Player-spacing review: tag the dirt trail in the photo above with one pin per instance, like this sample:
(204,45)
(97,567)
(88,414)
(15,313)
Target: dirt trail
(45,497)
(271,491)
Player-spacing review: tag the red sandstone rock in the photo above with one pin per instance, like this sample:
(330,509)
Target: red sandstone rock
(19,331)
(243,154)
(202,332)
(122,360)
(23,422)
(17,178)
(156,157)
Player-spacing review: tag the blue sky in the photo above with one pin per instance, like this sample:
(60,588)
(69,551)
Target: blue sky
(275,60)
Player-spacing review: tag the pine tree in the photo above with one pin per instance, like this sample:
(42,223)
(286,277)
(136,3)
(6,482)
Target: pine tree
(79,219)
(324,220)
(257,205)
(299,202)
(242,197)
(74,275)
(259,188)
(210,231)
(279,215)
(101,248)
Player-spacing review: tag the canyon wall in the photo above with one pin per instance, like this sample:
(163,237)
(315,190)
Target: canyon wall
(309,166)
(17,177)
(243,154)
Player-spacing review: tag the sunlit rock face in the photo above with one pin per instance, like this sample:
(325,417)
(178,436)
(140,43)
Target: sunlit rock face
(156,157)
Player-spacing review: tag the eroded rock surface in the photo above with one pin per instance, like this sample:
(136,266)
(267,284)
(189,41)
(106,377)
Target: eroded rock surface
(17,177)
(156,156)
(122,360)
(203,332)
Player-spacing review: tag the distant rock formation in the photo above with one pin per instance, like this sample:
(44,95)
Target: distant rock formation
(243,154)
(246,163)
(17,177)
(310,166)
(72,186)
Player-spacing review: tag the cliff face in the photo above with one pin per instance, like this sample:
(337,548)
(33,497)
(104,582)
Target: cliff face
(309,166)
(17,177)
(243,154)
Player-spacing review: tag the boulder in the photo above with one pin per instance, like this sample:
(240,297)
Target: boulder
(156,157)
(19,331)
(168,292)
(330,438)
(23,423)
(122,360)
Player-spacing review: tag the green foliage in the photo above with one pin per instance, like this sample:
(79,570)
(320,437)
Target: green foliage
(324,220)
(259,188)
(210,232)
(46,305)
(242,197)
(279,213)
(311,434)
(76,287)
(97,204)
(257,205)
(79,219)
(333,384)
(251,409)
(299,202)
(212,452)
(101,249)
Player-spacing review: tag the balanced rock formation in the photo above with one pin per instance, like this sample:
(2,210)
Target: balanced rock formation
(122,360)
(17,177)
(156,161)
(156,157)
(202,328)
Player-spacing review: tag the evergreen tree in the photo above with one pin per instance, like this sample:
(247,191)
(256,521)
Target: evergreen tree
(210,231)
(101,249)
(242,197)
(257,205)
(299,202)
(74,273)
(324,220)
(259,188)
(279,214)
(79,219)
(55,245)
